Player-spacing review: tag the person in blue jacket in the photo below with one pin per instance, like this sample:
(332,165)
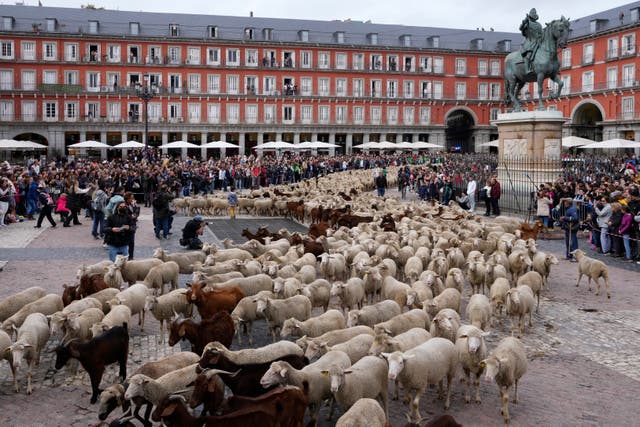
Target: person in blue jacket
(570,223)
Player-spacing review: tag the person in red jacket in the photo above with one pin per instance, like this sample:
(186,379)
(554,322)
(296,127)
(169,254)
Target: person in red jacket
(63,210)
(495,196)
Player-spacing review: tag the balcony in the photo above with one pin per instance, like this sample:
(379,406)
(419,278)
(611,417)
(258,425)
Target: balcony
(628,51)
(60,88)
(612,54)
(587,60)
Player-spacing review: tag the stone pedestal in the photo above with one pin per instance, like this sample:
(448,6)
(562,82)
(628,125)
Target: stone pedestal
(529,152)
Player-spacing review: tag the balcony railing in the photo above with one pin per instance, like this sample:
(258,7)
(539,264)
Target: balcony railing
(612,54)
(628,51)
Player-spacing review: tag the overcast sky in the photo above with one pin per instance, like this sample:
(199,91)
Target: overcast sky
(502,15)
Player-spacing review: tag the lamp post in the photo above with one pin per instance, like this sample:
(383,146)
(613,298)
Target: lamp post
(145,95)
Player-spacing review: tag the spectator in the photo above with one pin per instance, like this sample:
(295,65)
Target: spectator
(47,206)
(32,198)
(162,213)
(614,229)
(192,229)
(118,231)
(603,212)
(5,196)
(472,187)
(381,184)
(496,192)
(570,222)
(98,205)
(134,211)
(626,227)
(463,200)
(232,200)
(543,204)
(63,210)
(485,194)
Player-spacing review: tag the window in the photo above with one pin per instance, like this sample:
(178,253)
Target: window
(113,79)
(28,51)
(426,64)
(358,87)
(135,53)
(437,90)
(93,27)
(323,86)
(213,56)
(50,109)
(251,58)
(627,108)
(407,89)
(373,39)
(461,66)
(249,33)
(193,55)
(287,114)
(134,28)
(341,87)
(154,111)
(376,88)
(233,84)
(566,57)
(269,85)
(28,80)
(323,60)
(495,91)
(7,23)
(628,75)
(425,115)
(93,82)
(71,77)
(409,64)
(376,62)
(493,113)
(341,61)
(28,109)
(305,59)
(306,85)
(587,53)
(213,83)
(175,56)
(52,24)
(566,84)
(495,67)
(174,112)
(155,55)
(438,65)
(612,48)
(406,40)
(408,115)
(392,89)
(6,111)
(392,63)
(251,113)
(269,113)
(587,81)
(174,30)
(213,113)
(194,83)
(193,113)
(375,114)
(212,31)
(482,67)
(71,111)
(6,50)
(288,59)
(425,90)
(303,35)
(233,57)
(306,112)
(339,37)
(392,115)
(175,83)
(341,114)
(461,90)
(358,115)
(6,80)
(612,77)
(113,53)
(49,77)
(251,85)
(358,61)
(629,44)
(483,91)
(323,114)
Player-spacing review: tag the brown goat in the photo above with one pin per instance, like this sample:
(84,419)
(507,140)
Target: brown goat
(90,285)
(69,294)
(220,328)
(210,302)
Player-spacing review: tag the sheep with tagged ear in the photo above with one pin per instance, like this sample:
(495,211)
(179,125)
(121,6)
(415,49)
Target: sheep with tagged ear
(472,350)
(32,338)
(594,270)
(542,263)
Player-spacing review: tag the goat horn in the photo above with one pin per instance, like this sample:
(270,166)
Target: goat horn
(220,371)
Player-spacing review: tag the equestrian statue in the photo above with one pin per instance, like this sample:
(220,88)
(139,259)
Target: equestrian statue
(537,59)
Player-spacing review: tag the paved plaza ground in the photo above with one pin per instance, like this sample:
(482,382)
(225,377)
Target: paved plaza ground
(584,351)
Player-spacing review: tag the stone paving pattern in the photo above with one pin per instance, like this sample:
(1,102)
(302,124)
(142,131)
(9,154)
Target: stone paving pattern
(584,358)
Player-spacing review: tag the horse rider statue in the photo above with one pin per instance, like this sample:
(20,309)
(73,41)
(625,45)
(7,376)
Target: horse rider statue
(532,31)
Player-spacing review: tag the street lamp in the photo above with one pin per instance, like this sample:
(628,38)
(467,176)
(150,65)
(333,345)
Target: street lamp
(145,95)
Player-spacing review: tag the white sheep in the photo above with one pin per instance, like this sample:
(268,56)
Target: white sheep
(334,266)
(498,295)
(105,295)
(415,318)
(429,363)
(395,290)
(48,304)
(519,263)
(249,285)
(32,337)
(356,348)
(449,298)
(167,272)
(135,270)
(542,263)
(413,268)
(5,354)
(244,314)
(313,327)
(364,413)
(445,324)
(477,276)
(433,280)
(113,277)
(88,270)
(212,279)
(286,288)
(506,365)
(281,372)
(78,325)
(277,311)
(372,283)
(267,353)
(534,280)
(11,304)
(164,307)
(306,274)
(520,303)
(479,311)
(133,297)
(155,390)
(455,257)
(373,314)
(594,269)
(368,377)
(57,320)
(472,350)
(221,255)
(351,294)
(420,291)
(454,279)
(331,338)
(117,316)
(319,293)
(184,260)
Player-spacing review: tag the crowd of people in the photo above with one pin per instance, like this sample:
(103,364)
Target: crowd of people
(604,189)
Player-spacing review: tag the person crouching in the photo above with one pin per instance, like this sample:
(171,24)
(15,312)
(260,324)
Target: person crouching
(192,229)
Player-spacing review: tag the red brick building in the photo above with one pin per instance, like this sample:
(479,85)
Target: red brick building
(68,75)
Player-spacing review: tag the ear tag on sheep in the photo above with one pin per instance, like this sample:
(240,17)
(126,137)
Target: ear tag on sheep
(483,364)
(325,373)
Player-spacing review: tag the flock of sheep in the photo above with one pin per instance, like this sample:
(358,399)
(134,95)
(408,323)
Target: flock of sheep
(387,303)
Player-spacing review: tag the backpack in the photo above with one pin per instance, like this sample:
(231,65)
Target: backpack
(98,201)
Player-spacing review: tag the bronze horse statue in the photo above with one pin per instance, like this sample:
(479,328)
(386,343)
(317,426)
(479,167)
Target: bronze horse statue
(545,64)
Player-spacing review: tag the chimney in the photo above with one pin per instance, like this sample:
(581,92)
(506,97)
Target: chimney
(251,14)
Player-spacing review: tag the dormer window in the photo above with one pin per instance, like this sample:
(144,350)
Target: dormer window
(52,24)
(174,30)
(212,31)
(596,25)
(477,44)
(504,45)
(8,23)
(249,34)
(93,27)
(338,36)
(635,14)
(372,38)
(405,40)
(134,28)
(267,34)
(433,41)
(303,35)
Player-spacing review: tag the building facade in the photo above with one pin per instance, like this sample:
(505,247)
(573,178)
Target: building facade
(69,75)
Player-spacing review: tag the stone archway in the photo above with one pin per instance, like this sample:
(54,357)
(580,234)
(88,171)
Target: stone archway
(460,125)
(586,121)
(33,137)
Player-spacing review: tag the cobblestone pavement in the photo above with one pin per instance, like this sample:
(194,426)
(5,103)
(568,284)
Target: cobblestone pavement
(584,351)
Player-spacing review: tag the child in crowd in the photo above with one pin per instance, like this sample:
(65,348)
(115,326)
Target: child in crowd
(61,208)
